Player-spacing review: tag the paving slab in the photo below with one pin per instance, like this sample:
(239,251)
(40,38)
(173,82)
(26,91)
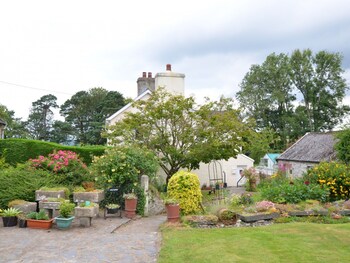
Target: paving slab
(112,239)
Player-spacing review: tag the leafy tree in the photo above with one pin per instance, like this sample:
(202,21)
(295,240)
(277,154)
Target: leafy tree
(296,94)
(342,145)
(86,112)
(15,128)
(266,94)
(62,132)
(180,132)
(319,79)
(40,119)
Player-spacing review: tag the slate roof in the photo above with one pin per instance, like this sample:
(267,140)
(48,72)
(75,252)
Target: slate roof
(313,147)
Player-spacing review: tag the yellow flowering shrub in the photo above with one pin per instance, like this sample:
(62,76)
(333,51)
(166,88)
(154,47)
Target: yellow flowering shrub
(185,187)
(335,176)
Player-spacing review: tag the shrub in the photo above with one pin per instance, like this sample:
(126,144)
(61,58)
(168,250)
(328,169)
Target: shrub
(66,209)
(21,150)
(294,192)
(66,167)
(185,187)
(335,176)
(122,168)
(21,183)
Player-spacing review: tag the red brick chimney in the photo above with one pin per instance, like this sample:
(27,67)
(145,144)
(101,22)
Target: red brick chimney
(168,67)
(150,74)
(143,74)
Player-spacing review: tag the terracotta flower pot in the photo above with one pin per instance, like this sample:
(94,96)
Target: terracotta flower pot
(173,213)
(39,224)
(130,208)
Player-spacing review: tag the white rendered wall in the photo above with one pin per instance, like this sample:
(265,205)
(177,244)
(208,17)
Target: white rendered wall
(172,82)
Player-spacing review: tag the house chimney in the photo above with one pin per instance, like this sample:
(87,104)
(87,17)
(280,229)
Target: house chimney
(150,74)
(168,67)
(143,74)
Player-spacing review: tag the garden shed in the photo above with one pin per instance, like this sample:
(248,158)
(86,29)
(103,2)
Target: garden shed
(309,150)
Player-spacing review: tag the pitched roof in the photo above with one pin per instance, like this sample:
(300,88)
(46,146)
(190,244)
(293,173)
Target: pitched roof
(147,92)
(312,147)
(273,156)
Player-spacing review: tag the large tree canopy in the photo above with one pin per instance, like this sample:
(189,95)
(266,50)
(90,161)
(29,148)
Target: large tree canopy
(40,119)
(296,94)
(86,112)
(181,132)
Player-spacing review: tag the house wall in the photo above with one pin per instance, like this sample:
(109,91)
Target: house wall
(128,108)
(231,168)
(295,169)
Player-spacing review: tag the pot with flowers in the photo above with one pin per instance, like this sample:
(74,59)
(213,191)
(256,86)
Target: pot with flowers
(112,209)
(9,216)
(130,205)
(173,210)
(65,219)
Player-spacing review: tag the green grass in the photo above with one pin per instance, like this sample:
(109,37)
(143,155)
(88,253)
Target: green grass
(293,242)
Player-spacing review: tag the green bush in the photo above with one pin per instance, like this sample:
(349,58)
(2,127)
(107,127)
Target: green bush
(122,168)
(335,176)
(294,192)
(185,187)
(21,183)
(21,150)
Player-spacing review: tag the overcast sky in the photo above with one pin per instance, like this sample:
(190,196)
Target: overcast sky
(62,47)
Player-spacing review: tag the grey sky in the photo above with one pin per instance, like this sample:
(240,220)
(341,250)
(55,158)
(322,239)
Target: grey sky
(68,46)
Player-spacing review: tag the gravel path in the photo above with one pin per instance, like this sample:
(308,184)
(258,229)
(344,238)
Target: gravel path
(111,240)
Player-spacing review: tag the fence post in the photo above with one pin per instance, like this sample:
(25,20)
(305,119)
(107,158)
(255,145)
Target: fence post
(144,185)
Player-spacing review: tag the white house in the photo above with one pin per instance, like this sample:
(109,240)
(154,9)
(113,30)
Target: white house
(175,83)
(268,164)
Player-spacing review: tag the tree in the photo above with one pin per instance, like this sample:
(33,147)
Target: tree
(180,132)
(319,79)
(62,133)
(342,145)
(86,112)
(266,94)
(296,94)
(40,119)
(15,128)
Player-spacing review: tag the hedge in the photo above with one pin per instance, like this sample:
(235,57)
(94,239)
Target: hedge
(21,150)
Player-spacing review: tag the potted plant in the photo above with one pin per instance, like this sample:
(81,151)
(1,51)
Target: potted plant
(9,216)
(173,210)
(130,204)
(22,220)
(39,220)
(112,208)
(64,220)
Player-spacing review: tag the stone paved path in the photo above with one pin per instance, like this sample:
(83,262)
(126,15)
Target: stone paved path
(136,241)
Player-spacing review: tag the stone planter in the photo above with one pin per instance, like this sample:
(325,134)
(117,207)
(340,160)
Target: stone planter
(27,207)
(39,194)
(95,197)
(39,224)
(257,217)
(85,214)
(86,211)
(52,208)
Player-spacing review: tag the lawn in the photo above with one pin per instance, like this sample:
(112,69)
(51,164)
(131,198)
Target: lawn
(292,242)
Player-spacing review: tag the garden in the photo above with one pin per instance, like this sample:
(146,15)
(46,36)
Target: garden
(60,187)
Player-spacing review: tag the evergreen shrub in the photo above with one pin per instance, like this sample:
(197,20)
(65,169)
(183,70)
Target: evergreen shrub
(185,187)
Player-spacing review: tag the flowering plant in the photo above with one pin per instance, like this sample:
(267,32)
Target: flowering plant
(264,206)
(130,196)
(112,206)
(65,164)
